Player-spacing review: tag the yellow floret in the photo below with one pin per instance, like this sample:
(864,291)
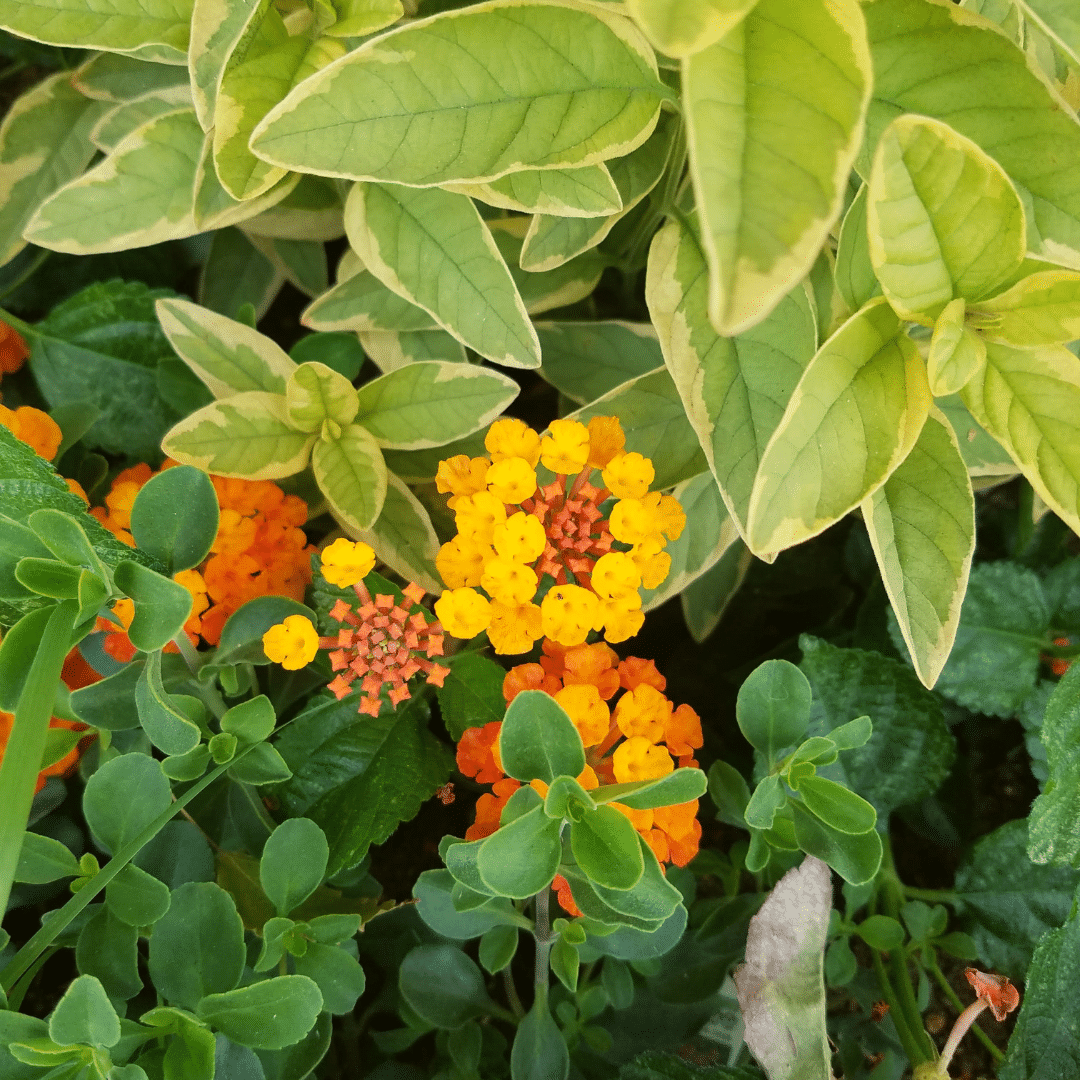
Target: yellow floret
(513,438)
(520,538)
(513,480)
(586,708)
(566,449)
(628,476)
(510,583)
(477,515)
(615,576)
(463,612)
(638,759)
(653,562)
(632,522)
(668,514)
(643,712)
(513,629)
(623,618)
(606,440)
(461,562)
(461,475)
(346,562)
(570,612)
(292,643)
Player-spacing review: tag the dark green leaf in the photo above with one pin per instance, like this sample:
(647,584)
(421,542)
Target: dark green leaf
(137,898)
(471,695)
(337,350)
(108,949)
(773,707)
(17,652)
(338,976)
(162,605)
(881,932)
(43,859)
(605,846)
(261,764)
(538,741)
(565,798)
(1054,834)
(497,948)
(768,797)
(434,889)
(251,721)
(167,727)
(910,751)
(443,986)
(293,863)
(855,858)
(123,797)
(681,786)
(266,1015)
(565,962)
(539,1051)
(85,1015)
(175,517)
(358,776)
(585,360)
(299,1060)
(837,806)
(521,858)
(48,577)
(656,1065)
(241,637)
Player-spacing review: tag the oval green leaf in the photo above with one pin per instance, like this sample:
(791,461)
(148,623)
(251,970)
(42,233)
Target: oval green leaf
(351,473)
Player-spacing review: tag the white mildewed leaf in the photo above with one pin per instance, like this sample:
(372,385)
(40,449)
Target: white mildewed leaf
(230,357)
(265,65)
(943,220)
(351,473)
(158,27)
(775,114)
(734,390)
(403,537)
(141,194)
(246,435)
(708,534)
(580,193)
(122,119)
(433,248)
(854,416)
(682,27)
(217,26)
(781,986)
(470,95)
(921,523)
(1029,400)
(430,403)
(44,143)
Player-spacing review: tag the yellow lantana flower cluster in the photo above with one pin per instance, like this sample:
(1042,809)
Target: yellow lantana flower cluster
(514,532)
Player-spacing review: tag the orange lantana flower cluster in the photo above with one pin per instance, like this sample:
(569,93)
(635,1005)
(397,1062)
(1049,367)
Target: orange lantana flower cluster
(640,736)
(76,673)
(35,428)
(260,550)
(13,350)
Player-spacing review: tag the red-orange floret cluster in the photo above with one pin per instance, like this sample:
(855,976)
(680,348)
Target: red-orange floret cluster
(382,642)
(641,724)
(260,550)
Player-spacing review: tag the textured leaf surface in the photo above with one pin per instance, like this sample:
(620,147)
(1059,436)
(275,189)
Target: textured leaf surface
(116,25)
(1009,901)
(943,221)
(216,28)
(682,27)
(910,751)
(1029,400)
(586,193)
(775,112)
(142,193)
(532,85)
(854,273)
(432,247)
(358,777)
(921,523)
(1055,815)
(351,474)
(1041,309)
(44,143)
(938,60)
(853,417)
(734,390)
(245,435)
(781,988)
(122,119)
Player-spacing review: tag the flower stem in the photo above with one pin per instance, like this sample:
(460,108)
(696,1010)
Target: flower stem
(511,992)
(960,1028)
(935,970)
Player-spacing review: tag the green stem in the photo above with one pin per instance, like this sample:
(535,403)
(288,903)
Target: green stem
(18,991)
(28,273)
(26,747)
(56,921)
(1025,524)
(16,323)
(931,896)
(907,1040)
(930,959)
(511,993)
(544,940)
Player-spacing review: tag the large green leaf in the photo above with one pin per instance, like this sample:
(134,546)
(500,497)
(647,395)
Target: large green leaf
(584,360)
(1003,626)
(268,1015)
(781,987)
(775,112)
(1029,400)
(430,403)
(109,76)
(216,28)
(229,356)
(156,28)
(432,247)
(581,193)
(1045,1044)
(1041,309)
(1055,821)
(44,143)
(215,208)
(1009,902)
(393,349)
(910,751)
(853,417)
(266,63)
(651,414)
(121,120)
(921,523)
(246,435)
(360,301)
(141,194)
(351,473)
(942,218)
(487,90)
(102,346)
(683,27)
(939,60)
(358,777)
(734,390)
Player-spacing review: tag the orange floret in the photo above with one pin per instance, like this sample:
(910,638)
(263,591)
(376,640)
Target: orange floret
(13,349)
(682,732)
(528,677)
(476,753)
(35,428)
(566,897)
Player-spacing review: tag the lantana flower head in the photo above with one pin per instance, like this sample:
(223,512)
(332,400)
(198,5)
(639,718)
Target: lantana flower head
(516,535)
(381,643)
(35,428)
(597,689)
(13,349)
